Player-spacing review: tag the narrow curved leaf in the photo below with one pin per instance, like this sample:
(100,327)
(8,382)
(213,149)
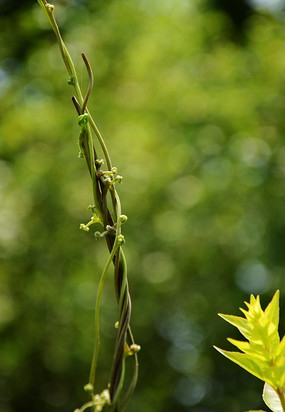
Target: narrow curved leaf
(240,323)
(254,366)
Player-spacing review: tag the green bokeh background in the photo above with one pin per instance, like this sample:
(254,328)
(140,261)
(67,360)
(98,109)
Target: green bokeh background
(191,100)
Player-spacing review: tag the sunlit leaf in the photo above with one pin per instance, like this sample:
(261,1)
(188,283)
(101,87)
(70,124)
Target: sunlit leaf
(255,367)
(271,398)
(239,323)
(254,350)
(272,310)
(263,355)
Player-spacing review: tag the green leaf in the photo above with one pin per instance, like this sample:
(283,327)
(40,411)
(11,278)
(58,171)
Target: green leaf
(255,367)
(281,348)
(263,355)
(255,351)
(271,398)
(238,322)
(272,310)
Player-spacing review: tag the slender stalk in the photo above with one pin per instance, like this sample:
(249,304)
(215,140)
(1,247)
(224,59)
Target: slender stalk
(116,246)
(102,143)
(90,83)
(103,185)
(120,386)
(97,316)
(49,12)
(133,383)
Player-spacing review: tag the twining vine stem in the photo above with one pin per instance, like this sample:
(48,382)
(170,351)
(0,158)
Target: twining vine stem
(116,396)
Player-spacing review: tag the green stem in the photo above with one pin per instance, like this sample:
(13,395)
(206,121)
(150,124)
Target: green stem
(133,382)
(107,218)
(49,12)
(93,173)
(101,141)
(97,315)
(124,286)
(115,248)
(132,385)
(120,386)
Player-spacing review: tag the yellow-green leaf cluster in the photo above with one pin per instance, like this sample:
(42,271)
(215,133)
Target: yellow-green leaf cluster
(263,354)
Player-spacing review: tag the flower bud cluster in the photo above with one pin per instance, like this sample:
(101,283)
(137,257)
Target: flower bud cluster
(110,177)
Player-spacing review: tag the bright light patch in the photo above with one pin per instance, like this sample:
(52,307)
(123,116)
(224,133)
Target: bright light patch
(273,5)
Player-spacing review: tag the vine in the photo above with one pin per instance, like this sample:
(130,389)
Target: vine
(115,396)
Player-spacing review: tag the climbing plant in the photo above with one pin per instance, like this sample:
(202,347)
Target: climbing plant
(105,212)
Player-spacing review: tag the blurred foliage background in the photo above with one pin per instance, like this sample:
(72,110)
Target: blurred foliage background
(190,96)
